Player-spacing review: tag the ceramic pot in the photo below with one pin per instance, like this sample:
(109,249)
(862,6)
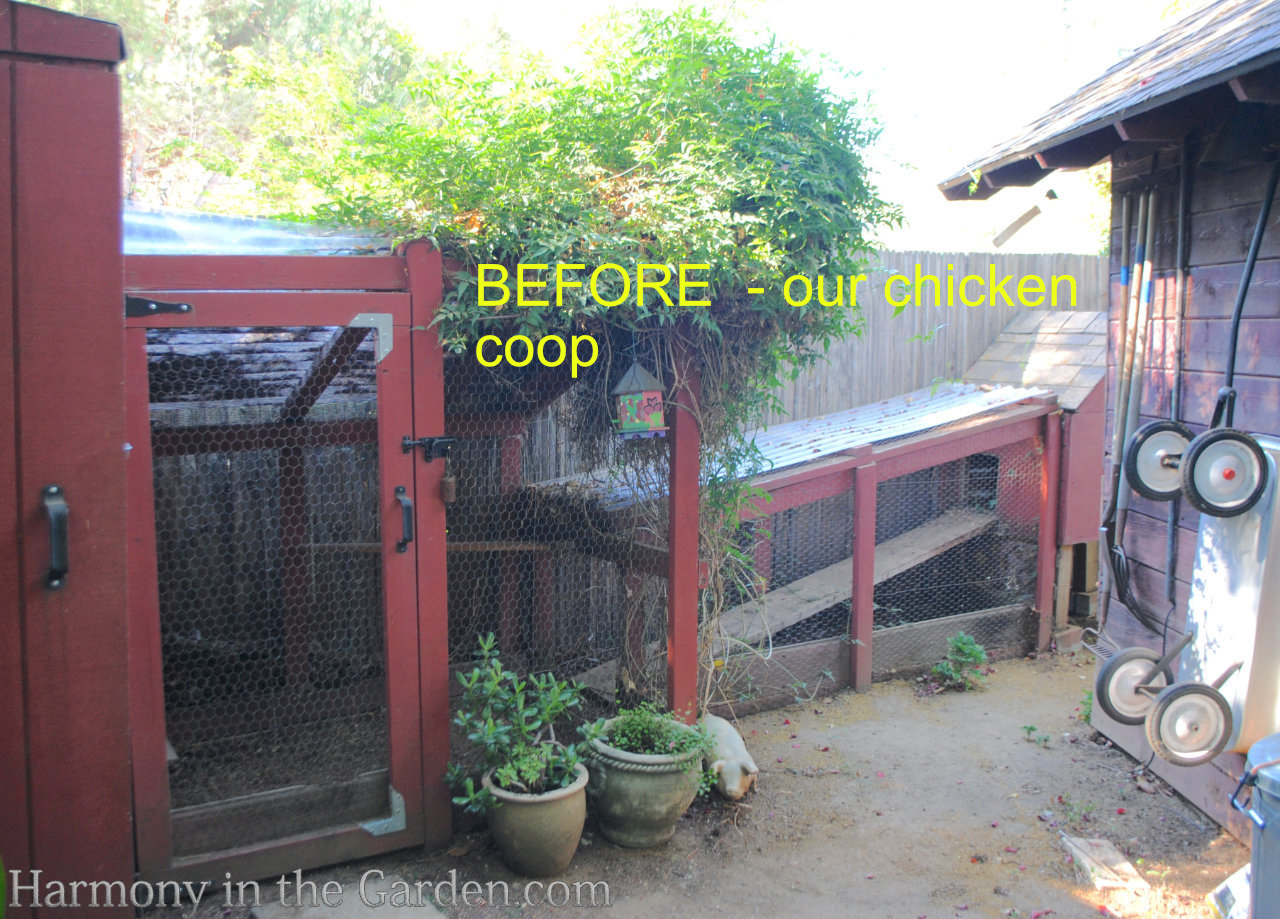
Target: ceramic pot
(538,834)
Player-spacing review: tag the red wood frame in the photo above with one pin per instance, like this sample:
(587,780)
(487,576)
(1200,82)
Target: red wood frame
(426,286)
(1034,423)
(684,440)
(409,382)
(64,772)
(15,830)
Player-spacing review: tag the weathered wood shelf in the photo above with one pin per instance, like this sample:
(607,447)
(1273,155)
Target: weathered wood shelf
(773,611)
(777,609)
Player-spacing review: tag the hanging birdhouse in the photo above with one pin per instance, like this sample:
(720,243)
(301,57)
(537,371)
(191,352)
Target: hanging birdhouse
(639,404)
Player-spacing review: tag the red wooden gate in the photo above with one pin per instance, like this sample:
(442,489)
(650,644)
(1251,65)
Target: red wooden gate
(288,661)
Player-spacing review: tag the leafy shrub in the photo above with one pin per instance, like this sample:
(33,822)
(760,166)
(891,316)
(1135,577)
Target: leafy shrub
(675,144)
(646,729)
(511,722)
(965,665)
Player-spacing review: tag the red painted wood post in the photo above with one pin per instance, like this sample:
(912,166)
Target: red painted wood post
(63,232)
(684,441)
(862,611)
(151,799)
(1047,552)
(762,559)
(14,840)
(426,289)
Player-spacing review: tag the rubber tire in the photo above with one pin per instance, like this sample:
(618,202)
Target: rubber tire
(1158,732)
(1123,665)
(1133,452)
(1194,456)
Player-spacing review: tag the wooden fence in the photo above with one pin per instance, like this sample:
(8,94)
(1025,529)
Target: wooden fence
(934,341)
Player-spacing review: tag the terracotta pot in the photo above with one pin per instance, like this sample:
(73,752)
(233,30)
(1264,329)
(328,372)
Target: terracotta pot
(639,797)
(538,834)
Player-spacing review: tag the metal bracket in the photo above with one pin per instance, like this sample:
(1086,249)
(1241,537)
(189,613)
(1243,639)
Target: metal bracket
(432,447)
(148,306)
(380,323)
(393,824)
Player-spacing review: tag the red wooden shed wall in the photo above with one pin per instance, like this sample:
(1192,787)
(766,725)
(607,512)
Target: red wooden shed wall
(1223,210)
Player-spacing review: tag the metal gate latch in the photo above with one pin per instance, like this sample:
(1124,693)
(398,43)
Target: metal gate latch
(432,447)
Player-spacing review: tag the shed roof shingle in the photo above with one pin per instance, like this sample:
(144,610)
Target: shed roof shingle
(1222,40)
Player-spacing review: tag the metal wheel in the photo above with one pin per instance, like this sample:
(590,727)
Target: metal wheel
(1152,457)
(1116,689)
(1189,724)
(1224,472)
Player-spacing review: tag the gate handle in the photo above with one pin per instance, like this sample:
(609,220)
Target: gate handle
(55,502)
(406,508)
(1249,779)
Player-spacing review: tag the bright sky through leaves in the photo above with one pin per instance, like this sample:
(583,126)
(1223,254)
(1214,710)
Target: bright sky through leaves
(947,80)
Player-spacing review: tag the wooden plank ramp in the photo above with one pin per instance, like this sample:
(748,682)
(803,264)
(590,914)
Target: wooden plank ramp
(773,611)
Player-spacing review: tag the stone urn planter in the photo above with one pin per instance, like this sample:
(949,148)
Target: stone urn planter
(539,834)
(639,797)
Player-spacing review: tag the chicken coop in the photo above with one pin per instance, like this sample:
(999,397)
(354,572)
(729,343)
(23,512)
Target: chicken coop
(260,517)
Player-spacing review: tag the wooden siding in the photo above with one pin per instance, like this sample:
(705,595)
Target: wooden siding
(1223,210)
(931,343)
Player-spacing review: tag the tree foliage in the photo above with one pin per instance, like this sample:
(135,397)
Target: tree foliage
(200,86)
(675,144)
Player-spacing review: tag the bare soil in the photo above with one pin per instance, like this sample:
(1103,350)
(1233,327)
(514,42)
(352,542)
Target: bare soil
(894,804)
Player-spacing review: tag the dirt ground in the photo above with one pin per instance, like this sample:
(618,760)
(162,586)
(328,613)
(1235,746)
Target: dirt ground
(892,804)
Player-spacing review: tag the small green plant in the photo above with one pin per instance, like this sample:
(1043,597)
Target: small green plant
(1086,707)
(647,729)
(1034,735)
(965,665)
(511,722)
(1073,813)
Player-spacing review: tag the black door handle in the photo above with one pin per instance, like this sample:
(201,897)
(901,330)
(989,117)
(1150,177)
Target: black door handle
(406,509)
(55,502)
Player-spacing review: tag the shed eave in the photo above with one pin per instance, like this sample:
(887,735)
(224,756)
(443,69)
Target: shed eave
(956,187)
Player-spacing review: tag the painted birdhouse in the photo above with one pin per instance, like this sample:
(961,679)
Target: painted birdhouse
(639,404)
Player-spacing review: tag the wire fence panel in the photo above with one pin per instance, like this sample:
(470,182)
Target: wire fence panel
(561,555)
(265,456)
(956,547)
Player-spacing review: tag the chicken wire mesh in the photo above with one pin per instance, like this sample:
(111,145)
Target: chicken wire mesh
(561,555)
(265,470)
(956,550)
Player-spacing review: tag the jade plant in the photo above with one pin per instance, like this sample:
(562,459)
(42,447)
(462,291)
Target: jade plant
(511,722)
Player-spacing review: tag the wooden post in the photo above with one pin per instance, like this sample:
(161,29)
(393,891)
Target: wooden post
(684,441)
(426,290)
(862,611)
(1048,527)
(66,798)
(151,799)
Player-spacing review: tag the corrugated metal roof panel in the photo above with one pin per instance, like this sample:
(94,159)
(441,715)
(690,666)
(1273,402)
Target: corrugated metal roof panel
(796,442)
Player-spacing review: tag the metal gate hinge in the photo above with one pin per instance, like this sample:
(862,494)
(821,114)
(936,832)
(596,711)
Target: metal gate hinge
(149,306)
(432,447)
(392,824)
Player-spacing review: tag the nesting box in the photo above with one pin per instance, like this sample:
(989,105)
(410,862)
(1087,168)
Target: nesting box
(639,404)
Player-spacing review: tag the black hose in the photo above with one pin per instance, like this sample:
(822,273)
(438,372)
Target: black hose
(1252,259)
